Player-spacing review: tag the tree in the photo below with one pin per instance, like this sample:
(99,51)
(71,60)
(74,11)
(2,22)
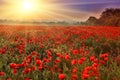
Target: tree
(110,17)
(92,21)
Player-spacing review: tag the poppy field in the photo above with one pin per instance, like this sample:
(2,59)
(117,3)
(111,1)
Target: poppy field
(59,53)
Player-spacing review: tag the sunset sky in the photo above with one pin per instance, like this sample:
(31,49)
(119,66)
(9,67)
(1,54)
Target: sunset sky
(54,9)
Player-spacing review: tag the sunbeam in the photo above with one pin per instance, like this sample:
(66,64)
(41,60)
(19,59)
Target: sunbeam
(52,9)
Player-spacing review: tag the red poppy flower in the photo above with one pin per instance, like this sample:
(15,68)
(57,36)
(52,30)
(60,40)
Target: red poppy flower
(61,76)
(80,61)
(8,79)
(13,65)
(40,67)
(92,58)
(2,73)
(14,71)
(67,57)
(75,51)
(27,70)
(38,62)
(85,76)
(73,62)
(74,70)
(74,77)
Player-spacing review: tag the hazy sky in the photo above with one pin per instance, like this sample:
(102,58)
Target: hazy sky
(64,9)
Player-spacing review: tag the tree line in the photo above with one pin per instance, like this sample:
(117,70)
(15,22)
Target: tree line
(109,17)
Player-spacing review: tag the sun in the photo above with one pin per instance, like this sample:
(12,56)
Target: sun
(27,6)
(29,9)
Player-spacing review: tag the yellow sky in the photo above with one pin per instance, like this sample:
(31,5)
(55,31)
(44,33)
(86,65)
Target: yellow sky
(41,10)
(26,9)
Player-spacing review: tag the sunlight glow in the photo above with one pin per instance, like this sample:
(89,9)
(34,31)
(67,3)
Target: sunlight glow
(27,5)
(29,9)
(34,10)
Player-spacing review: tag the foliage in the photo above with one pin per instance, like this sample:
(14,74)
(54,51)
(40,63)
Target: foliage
(109,17)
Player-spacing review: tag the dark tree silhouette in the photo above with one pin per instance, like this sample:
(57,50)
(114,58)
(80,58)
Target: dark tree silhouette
(110,17)
(91,21)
